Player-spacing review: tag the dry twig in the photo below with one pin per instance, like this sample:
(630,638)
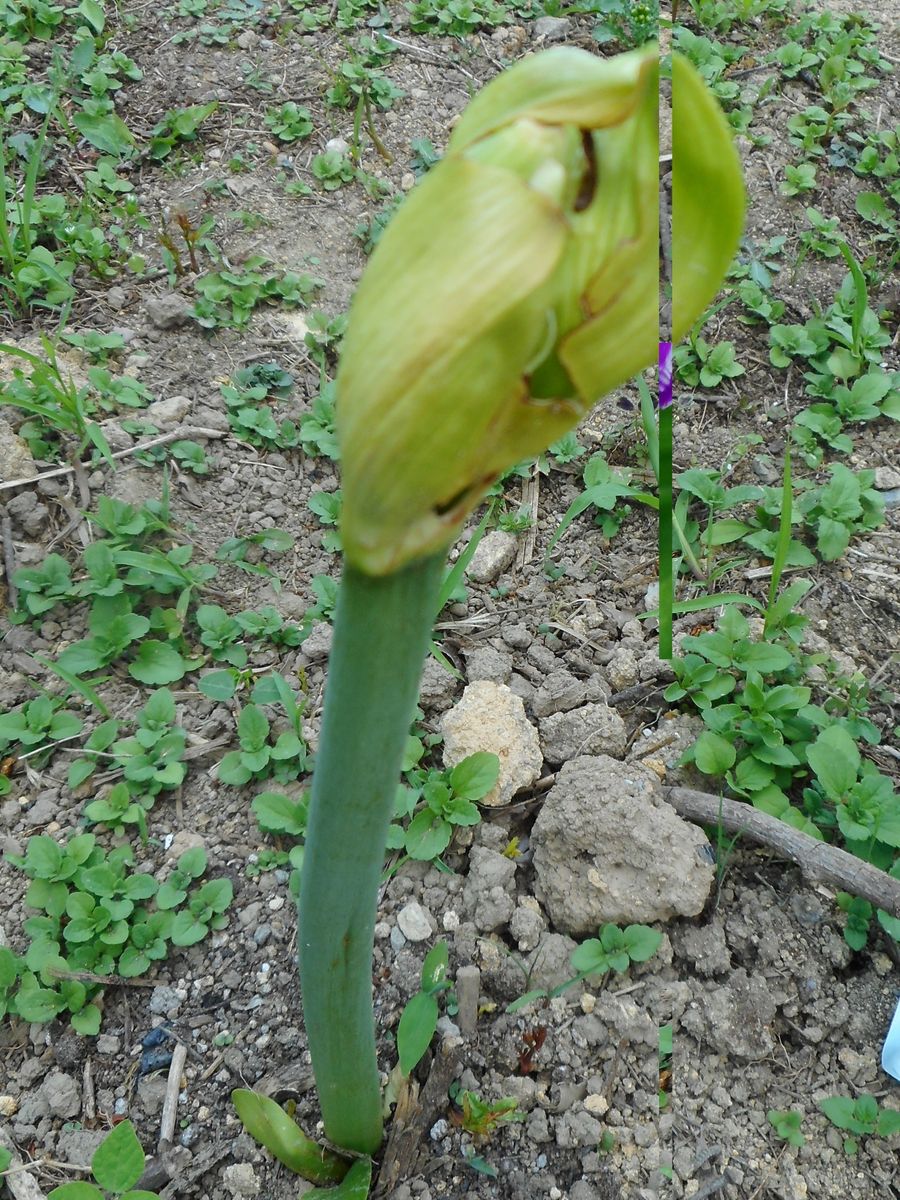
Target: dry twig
(817,860)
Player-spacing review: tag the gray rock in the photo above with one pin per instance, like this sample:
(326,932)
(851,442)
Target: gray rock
(211,417)
(490,717)
(536,1128)
(552,29)
(622,670)
(495,552)
(887,478)
(77,1146)
(577,1129)
(545,967)
(607,848)
(249,914)
(591,729)
(164,999)
(241,1180)
(488,892)
(415,922)
(317,644)
(107,1044)
(561,692)
(705,947)
(734,1020)
(32,1109)
(516,636)
(485,662)
(15,457)
(527,924)
(151,1091)
(168,311)
(28,512)
(170,411)
(116,437)
(438,687)
(44,810)
(468,991)
(61,1094)
(116,298)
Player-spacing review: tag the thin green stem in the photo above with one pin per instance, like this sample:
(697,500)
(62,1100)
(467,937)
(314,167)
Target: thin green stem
(666,583)
(382,629)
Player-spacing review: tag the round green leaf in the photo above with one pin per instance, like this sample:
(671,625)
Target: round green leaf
(118,1161)
(713,754)
(156,663)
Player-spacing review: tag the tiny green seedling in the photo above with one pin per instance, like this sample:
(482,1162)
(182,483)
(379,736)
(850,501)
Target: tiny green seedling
(419,1018)
(480,1118)
(787,1125)
(614,950)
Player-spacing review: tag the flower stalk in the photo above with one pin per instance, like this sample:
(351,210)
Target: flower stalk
(517,284)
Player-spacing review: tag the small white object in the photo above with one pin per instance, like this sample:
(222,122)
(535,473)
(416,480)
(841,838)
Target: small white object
(890,1054)
(415,922)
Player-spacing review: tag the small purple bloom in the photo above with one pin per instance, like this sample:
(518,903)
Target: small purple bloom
(665,374)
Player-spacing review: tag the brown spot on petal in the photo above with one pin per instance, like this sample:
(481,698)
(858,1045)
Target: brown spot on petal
(588,185)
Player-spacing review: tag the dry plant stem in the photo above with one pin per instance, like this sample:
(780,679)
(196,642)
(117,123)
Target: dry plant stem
(9,561)
(420,1110)
(20,1183)
(817,860)
(381,631)
(161,440)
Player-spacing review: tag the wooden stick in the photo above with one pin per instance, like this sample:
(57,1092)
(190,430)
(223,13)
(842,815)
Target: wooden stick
(88,1098)
(9,561)
(817,860)
(175,436)
(173,1087)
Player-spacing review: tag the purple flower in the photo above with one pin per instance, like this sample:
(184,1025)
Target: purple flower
(665,374)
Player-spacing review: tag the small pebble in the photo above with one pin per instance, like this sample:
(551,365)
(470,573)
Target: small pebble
(415,922)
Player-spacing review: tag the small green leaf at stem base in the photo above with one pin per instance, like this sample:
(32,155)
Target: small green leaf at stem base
(355,1185)
(270,1125)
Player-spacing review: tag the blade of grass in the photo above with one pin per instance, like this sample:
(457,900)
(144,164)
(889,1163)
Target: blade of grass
(783,543)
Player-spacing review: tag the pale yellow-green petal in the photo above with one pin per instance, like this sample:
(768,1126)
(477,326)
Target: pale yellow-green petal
(707,197)
(440,331)
(564,85)
(611,267)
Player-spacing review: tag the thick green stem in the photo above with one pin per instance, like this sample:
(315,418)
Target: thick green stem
(381,633)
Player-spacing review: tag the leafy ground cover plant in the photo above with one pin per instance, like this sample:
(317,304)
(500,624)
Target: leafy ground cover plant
(97,916)
(862,1117)
(788,756)
(228,298)
(438,802)
(259,757)
(37,726)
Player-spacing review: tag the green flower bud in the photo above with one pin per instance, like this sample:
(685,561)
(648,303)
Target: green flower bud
(517,284)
